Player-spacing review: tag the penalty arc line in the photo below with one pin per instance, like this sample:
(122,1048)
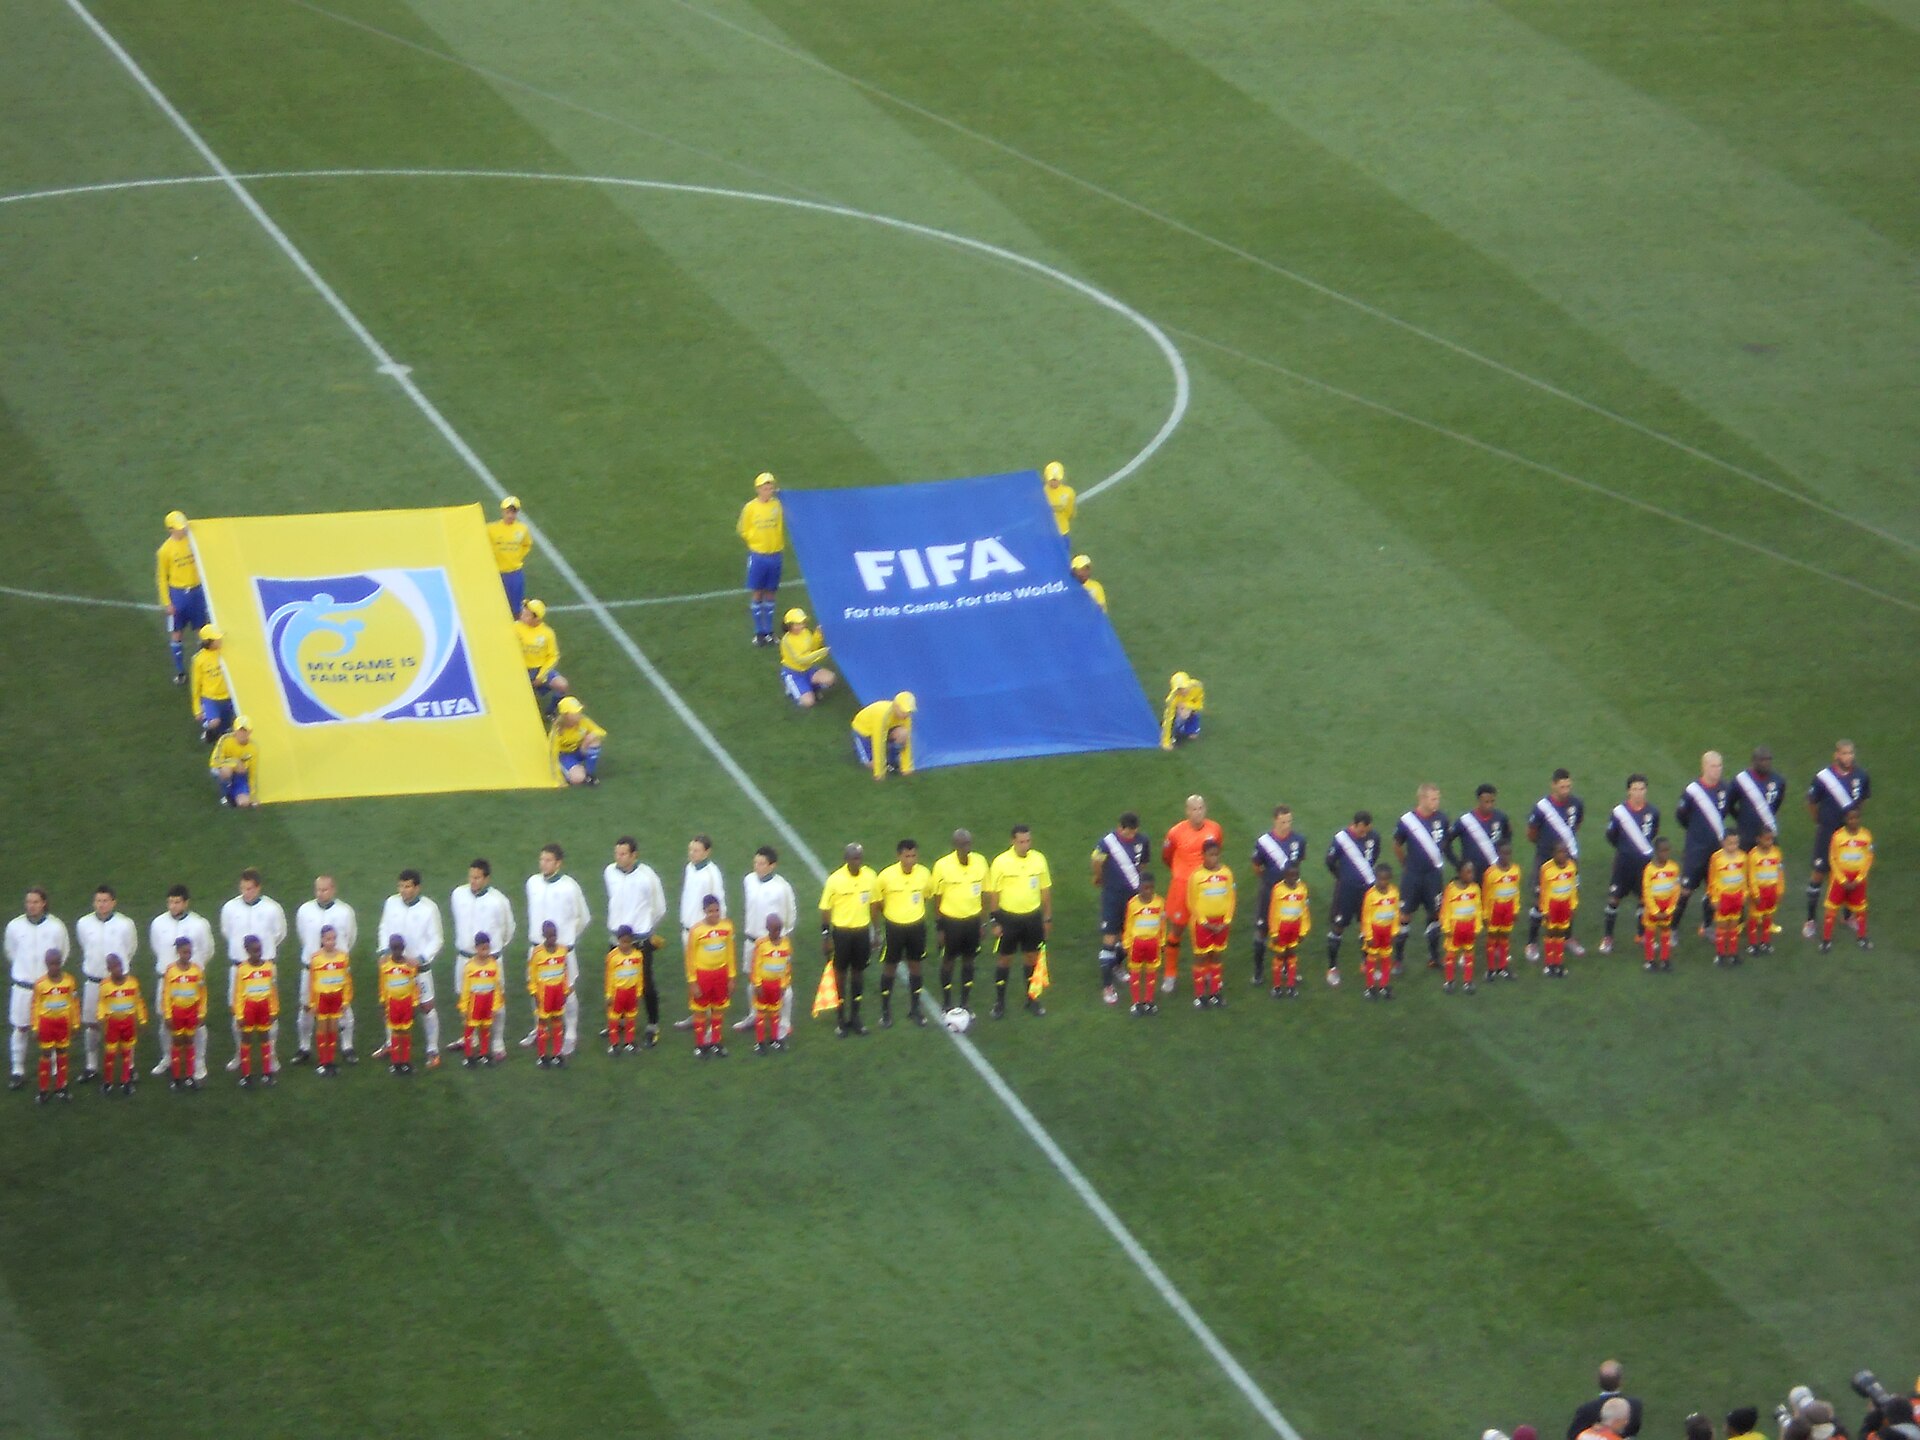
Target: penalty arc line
(1242,1381)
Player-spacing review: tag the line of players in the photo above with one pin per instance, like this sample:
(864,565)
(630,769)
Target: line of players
(1460,871)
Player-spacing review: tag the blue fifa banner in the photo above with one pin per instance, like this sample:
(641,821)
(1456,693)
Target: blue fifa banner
(960,591)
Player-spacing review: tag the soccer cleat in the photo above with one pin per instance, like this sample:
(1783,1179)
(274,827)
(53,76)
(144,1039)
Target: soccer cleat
(759,1047)
(352,1057)
(1199,1002)
(683,1024)
(744,1023)
(1606,944)
(1153,1007)
(719,1052)
(1368,992)
(526,1040)
(471,1061)
(1825,946)
(1111,995)
(1386,992)
(1864,943)
(1466,988)
(1533,952)
(1278,991)
(613,1049)
(1166,985)
(629,1047)
(1576,949)
(234,1064)
(999,1011)
(840,1031)
(1646,964)
(433,1060)
(918,1016)
(174,1084)
(106,1087)
(246,1082)
(194,1083)
(1036,1009)
(886,1017)
(178,678)
(651,1038)
(1447,988)
(89,1075)
(1333,975)
(268,1078)
(41,1098)
(1806,931)
(160,1069)
(300,1057)
(777,1044)
(857,1028)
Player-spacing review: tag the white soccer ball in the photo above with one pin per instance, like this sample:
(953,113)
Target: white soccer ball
(959,1020)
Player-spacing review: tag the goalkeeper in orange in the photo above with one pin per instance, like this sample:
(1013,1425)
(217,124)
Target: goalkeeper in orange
(1766,883)
(330,988)
(552,973)
(1142,933)
(626,979)
(771,975)
(1460,908)
(1660,887)
(123,1010)
(480,997)
(1210,904)
(1558,898)
(1288,921)
(183,990)
(399,996)
(55,1017)
(1379,924)
(1727,896)
(1849,859)
(256,1005)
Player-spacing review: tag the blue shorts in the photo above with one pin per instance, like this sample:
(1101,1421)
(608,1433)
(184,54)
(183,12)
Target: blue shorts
(797,683)
(241,784)
(1187,729)
(216,713)
(1113,910)
(763,571)
(586,759)
(1421,892)
(514,582)
(863,749)
(189,607)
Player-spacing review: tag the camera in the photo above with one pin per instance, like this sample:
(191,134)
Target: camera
(1867,1386)
(1892,1415)
(1798,1398)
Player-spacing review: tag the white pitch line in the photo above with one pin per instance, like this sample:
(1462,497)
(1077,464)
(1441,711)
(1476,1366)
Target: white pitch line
(732,592)
(1318,287)
(99,600)
(386,365)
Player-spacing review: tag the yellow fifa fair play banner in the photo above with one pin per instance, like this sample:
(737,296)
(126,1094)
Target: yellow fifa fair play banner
(373,652)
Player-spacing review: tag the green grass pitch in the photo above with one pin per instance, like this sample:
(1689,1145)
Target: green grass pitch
(1552,403)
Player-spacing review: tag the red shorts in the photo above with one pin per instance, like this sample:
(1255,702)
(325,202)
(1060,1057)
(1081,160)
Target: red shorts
(712,987)
(327,1003)
(767,994)
(1729,908)
(1464,934)
(480,1007)
(1559,914)
(1658,919)
(624,1002)
(183,1021)
(55,1030)
(1844,896)
(400,1014)
(551,1001)
(1144,953)
(1210,935)
(256,1014)
(1766,900)
(1287,937)
(1502,916)
(1380,938)
(123,1031)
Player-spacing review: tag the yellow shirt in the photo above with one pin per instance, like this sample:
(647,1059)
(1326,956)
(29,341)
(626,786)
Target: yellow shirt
(1850,855)
(710,947)
(875,723)
(1500,886)
(1379,917)
(229,752)
(847,899)
(1288,906)
(175,568)
(1459,905)
(626,970)
(1098,591)
(547,965)
(1210,894)
(1766,870)
(903,893)
(1560,882)
(763,525)
(330,972)
(773,962)
(399,980)
(1146,920)
(257,982)
(206,679)
(1727,874)
(956,887)
(567,739)
(511,544)
(185,986)
(55,998)
(1192,697)
(1660,890)
(539,647)
(803,649)
(121,1000)
(1060,501)
(1016,881)
(479,977)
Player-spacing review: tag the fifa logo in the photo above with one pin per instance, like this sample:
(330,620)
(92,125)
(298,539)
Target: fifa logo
(378,645)
(939,565)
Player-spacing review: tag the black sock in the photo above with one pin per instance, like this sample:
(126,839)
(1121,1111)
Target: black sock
(1813,899)
(1613,914)
(1680,910)
(1000,984)
(1433,939)
(1534,917)
(946,984)
(966,984)
(886,987)
(1026,990)
(913,980)
(1109,957)
(1333,948)
(843,977)
(1400,945)
(1259,956)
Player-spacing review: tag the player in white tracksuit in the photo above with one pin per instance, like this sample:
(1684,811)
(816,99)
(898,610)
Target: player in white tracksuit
(251,912)
(326,908)
(764,892)
(478,908)
(179,921)
(700,879)
(554,895)
(102,933)
(416,920)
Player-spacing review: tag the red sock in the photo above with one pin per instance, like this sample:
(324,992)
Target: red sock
(46,1070)
(1860,924)
(180,1071)
(1466,966)
(1666,945)
(540,1038)
(1826,926)
(246,1058)
(1446,969)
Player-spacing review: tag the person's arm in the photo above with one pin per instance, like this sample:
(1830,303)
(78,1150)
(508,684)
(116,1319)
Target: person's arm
(160,577)
(436,935)
(1099,866)
(1046,906)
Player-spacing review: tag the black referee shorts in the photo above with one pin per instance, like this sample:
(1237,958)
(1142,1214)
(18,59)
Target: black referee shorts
(959,938)
(852,947)
(906,942)
(1021,934)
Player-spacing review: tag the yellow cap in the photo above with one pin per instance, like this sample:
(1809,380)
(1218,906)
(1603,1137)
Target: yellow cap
(176,519)
(796,616)
(569,706)
(1180,680)
(242,722)
(537,607)
(512,502)
(904,702)
(1055,470)
(1081,562)
(765,477)
(211,632)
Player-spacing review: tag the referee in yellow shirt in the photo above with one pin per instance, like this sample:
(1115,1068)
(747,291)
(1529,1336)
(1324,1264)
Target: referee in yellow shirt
(903,909)
(959,882)
(1020,895)
(846,933)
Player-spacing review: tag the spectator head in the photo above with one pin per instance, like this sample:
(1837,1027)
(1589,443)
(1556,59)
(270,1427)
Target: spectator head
(1742,1421)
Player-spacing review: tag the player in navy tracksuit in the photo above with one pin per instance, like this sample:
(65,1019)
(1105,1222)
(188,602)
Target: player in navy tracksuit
(1420,845)
(1476,834)
(1117,862)
(1841,787)
(1554,820)
(1702,815)
(1350,860)
(1273,852)
(1631,829)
